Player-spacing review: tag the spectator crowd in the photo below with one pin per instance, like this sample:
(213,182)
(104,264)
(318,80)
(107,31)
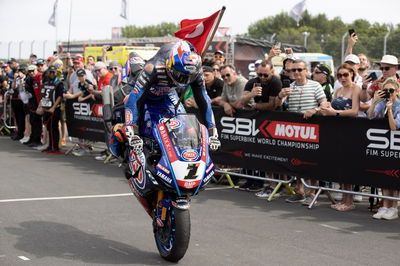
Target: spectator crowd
(38,88)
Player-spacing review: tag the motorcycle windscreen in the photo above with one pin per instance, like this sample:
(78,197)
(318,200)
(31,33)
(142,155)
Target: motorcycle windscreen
(185,147)
(184,132)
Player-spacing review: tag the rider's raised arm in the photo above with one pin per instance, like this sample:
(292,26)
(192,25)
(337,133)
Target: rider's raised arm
(203,100)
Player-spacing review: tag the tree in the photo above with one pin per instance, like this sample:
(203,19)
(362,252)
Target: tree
(160,30)
(326,35)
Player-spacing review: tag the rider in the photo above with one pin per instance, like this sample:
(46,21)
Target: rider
(175,66)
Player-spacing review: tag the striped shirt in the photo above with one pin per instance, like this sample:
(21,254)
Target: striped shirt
(305,97)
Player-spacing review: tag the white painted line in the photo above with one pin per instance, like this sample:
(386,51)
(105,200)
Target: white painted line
(2,256)
(23,258)
(218,188)
(68,197)
(118,250)
(86,196)
(338,229)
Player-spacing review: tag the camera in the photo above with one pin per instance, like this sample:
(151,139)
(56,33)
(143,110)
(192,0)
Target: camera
(386,93)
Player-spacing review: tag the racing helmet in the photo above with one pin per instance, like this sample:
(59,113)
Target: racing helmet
(183,63)
(136,64)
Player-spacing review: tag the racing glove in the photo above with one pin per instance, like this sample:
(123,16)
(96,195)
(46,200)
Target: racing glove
(213,141)
(134,141)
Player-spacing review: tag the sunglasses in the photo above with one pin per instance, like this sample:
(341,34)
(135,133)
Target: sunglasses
(342,75)
(262,75)
(227,75)
(215,69)
(297,69)
(385,68)
(113,68)
(31,71)
(391,90)
(317,72)
(97,70)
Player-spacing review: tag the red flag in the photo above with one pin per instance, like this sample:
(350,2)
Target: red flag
(197,31)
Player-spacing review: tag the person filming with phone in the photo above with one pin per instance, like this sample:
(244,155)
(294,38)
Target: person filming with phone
(386,103)
(389,65)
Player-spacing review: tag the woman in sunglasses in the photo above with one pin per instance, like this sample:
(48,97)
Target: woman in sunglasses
(386,103)
(346,102)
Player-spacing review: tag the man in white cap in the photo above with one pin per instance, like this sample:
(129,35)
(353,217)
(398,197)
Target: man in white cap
(389,66)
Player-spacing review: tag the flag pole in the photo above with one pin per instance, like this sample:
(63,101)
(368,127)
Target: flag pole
(69,30)
(213,31)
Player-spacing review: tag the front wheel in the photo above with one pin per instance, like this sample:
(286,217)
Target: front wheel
(173,238)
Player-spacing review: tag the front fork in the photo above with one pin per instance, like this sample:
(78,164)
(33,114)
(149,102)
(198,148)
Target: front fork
(164,206)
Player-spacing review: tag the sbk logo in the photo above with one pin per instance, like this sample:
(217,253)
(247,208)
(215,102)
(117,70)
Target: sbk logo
(271,129)
(84,109)
(379,139)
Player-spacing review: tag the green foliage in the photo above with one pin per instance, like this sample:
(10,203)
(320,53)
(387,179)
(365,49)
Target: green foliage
(326,34)
(160,30)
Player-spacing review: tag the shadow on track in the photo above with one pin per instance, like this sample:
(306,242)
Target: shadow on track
(49,239)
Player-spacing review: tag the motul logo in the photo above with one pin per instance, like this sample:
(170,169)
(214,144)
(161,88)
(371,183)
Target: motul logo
(290,131)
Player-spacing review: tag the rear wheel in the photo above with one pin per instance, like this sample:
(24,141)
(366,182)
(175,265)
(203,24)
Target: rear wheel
(173,238)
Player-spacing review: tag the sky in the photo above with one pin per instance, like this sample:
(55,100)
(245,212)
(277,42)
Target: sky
(24,23)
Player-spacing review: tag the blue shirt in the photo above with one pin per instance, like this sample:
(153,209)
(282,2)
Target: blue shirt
(380,108)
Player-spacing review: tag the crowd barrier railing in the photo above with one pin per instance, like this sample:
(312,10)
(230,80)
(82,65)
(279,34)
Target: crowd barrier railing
(327,189)
(7,111)
(280,182)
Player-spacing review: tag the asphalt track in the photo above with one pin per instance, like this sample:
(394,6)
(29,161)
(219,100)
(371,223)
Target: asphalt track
(65,210)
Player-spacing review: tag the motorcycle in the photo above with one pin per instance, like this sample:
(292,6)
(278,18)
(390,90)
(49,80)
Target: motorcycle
(175,165)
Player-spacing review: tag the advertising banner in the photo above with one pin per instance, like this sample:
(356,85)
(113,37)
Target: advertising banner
(85,119)
(340,149)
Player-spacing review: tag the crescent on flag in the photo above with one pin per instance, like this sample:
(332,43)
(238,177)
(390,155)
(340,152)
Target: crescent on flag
(197,32)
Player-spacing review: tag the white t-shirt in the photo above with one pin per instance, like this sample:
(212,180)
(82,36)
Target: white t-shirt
(74,81)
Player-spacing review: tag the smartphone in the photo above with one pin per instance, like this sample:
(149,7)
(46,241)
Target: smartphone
(351,31)
(373,76)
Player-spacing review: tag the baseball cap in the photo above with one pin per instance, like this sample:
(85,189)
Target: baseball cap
(207,69)
(99,65)
(389,59)
(78,59)
(324,68)
(57,63)
(22,67)
(114,64)
(219,52)
(40,62)
(352,58)
(32,67)
(80,72)
(258,62)
(52,69)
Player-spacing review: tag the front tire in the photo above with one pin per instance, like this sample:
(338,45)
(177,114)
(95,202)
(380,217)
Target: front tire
(173,239)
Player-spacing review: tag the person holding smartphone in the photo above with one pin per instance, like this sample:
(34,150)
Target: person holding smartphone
(386,103)
(389,65)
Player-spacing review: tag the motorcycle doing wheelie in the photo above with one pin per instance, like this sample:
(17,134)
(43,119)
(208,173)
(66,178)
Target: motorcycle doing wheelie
(174,166)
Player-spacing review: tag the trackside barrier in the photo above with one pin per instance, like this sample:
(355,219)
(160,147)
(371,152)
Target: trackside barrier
(7,112)
(3,128)
(277,187)
(320,189)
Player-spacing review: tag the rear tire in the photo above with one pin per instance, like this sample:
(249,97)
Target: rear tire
(173,239)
